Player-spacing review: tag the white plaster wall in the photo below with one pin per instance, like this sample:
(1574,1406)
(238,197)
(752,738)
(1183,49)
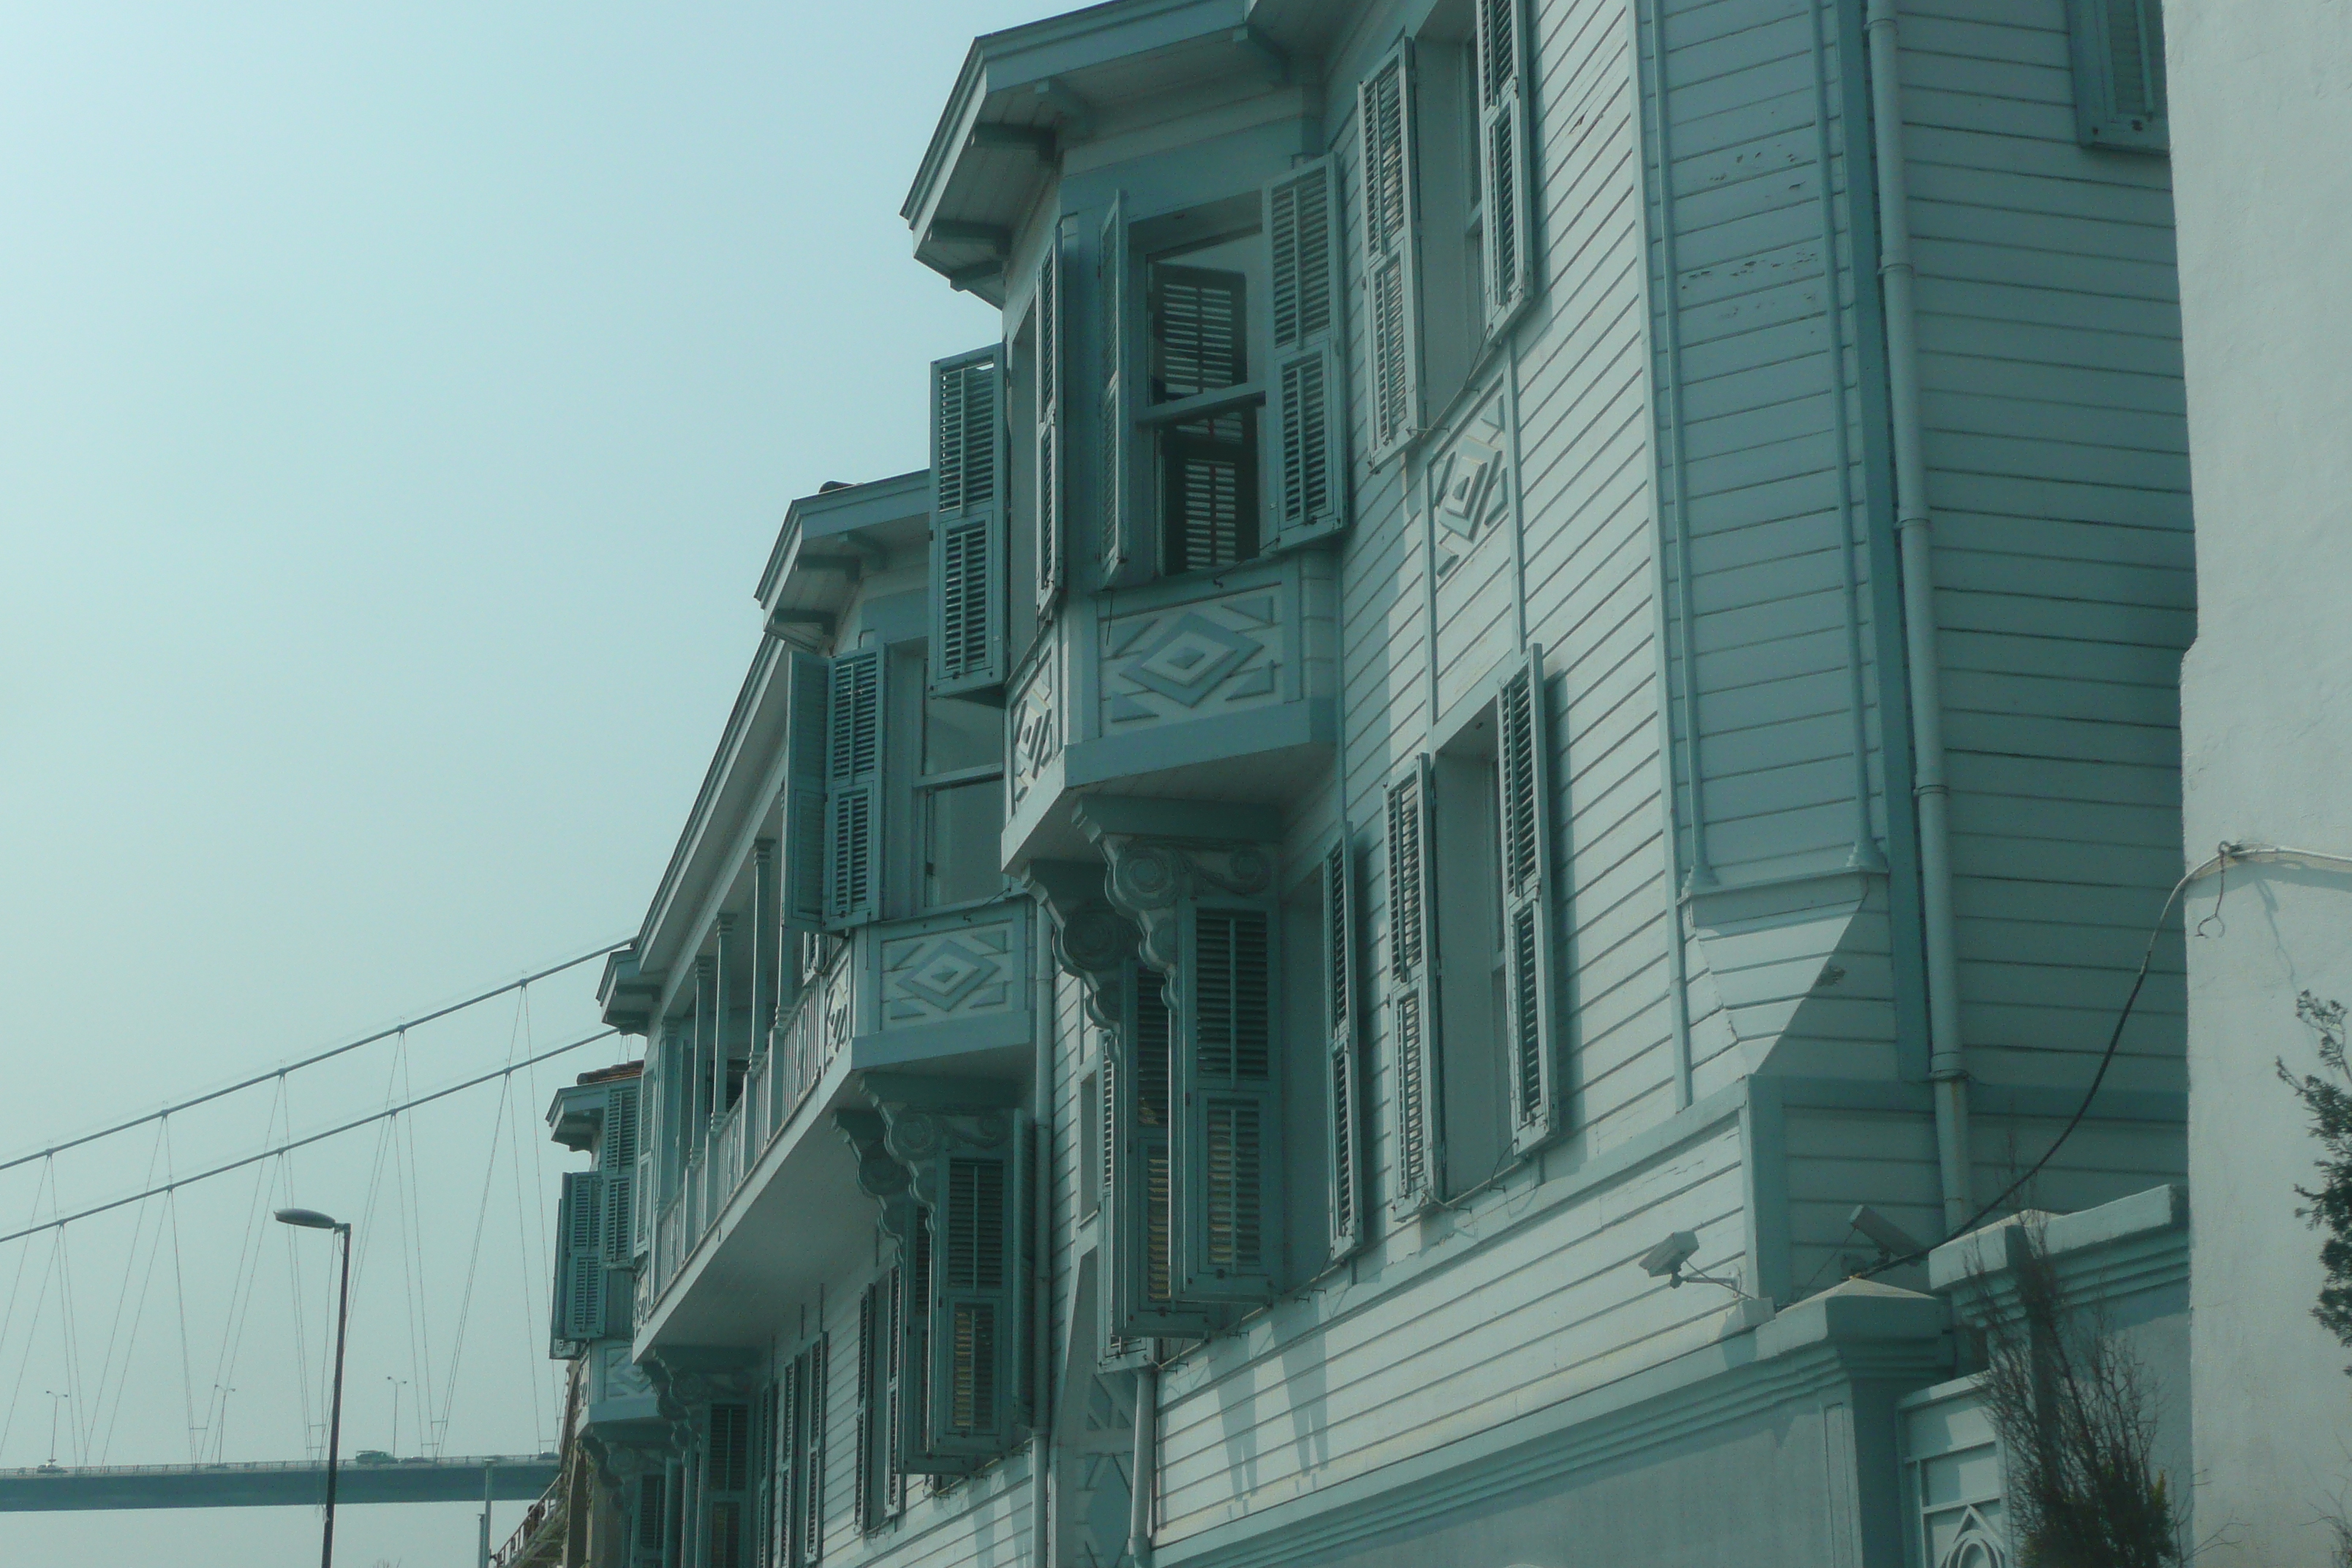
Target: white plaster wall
(2262,110)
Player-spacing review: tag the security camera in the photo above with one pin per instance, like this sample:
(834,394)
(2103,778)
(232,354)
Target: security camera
(1665,1260)
(1893,1241)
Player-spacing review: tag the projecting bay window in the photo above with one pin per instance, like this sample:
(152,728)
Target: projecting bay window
(1223,415)
(1473,1011)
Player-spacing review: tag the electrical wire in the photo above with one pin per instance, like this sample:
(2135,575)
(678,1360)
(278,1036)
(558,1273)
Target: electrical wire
(279,1072)
(2225,855)
(59,1223)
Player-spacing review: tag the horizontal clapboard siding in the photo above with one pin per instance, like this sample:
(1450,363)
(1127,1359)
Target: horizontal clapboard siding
(1770,414)
(2051,390)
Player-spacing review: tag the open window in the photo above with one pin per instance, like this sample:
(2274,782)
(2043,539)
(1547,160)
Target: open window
(1225,416)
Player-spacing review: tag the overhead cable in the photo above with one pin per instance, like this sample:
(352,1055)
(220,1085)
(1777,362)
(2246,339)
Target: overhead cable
(277,1072)
(63,1220)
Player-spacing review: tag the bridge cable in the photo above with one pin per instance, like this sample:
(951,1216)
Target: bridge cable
(280,1071)
(58,1223)
(241,1287)
(474,1257)
(121,1299)
(534,1257)
(9,1424)
(180,1294)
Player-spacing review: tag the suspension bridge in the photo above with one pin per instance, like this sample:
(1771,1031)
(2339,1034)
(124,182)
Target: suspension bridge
(133,1316)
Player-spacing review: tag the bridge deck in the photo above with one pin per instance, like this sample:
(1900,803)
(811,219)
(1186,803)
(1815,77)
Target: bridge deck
(300,1482)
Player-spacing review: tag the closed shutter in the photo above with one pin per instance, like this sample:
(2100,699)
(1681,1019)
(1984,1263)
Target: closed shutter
(1384,113)
(967,524)
(808,702)
(1306,453)
(1138,1226)
(910,1430)
(783,1505)
(760,1513)
(976,1333)
(1505,179)
(1342,1072)
(652,1506)
(853,790)
(1413,1042)
(1117,504)
(582,1283)
(726,1480)
(876,1404)
(1229,1113)
(2119,88)
(1047,457)
(616,1159)
(1530,1012)
(893,1354)
(1199,329)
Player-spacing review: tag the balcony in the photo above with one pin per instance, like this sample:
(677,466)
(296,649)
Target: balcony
(1212,686)
(768,1207)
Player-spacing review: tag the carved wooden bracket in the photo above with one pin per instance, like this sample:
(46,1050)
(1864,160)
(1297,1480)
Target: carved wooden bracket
(1150,880)
(688,1378)
(1093,942)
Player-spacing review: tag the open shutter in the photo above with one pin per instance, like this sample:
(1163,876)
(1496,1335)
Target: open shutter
(1229,1112)
(583,1283)
(784,1507)
(1117,502)
(1384,115)
(1307,457)
(2119,88)
(1137,1225)
(967,524)
(1342,1071)
(1047,507)
(853,790)
(813,1380)
(1506,187)
(893,1354)
(1412,992)
(617,1161)
(727,1482)
(808,701)
(1531,1010)
(759,1513)
(977,1333)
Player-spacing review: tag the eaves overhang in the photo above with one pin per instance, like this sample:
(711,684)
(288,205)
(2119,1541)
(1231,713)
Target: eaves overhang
(1026,92)
(828,542)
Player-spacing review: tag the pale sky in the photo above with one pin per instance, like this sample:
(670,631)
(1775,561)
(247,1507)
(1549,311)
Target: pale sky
(396,407)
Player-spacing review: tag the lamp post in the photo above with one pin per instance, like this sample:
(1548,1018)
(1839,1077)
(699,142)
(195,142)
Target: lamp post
(311,1219)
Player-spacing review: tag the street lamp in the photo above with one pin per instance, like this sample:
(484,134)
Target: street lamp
(311,1219)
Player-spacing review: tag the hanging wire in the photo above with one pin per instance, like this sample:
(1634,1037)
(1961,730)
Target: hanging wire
(473,1261)
(106,1369)
(180,1292)
(31,1326)
(279,1073)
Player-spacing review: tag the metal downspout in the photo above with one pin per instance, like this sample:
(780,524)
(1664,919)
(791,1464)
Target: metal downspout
(1041,1449)
(1947,1052)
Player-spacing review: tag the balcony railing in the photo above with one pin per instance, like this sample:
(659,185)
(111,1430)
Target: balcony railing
(780,1078)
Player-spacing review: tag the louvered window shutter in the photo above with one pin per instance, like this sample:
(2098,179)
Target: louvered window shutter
(727,1479)
(1229,1112)
(1047,508)
(784,1507)
(1384,114)
(1343,1071)
(967,524)
(582,1213)
(977,1286)
(1117,503)
(853,751)
(1505,179)
(616,1159)
(653,1508)
(866,1489)
(913,1321)
(813,1380)
(808,704)
(1137,1225)
(1413,1042)
(1307,451)
(1531,1010)
(892,1353)
(759,1515)
(1199,329)
(2119,88)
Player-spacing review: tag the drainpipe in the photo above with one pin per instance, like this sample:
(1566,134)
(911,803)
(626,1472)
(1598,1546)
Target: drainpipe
(1146,1463)
(1040,1442)
(1946,1054)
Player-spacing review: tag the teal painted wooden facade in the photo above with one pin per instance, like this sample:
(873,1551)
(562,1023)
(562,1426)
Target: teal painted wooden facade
(1419,588)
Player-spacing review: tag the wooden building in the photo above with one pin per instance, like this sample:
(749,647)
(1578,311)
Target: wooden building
(1545,658)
